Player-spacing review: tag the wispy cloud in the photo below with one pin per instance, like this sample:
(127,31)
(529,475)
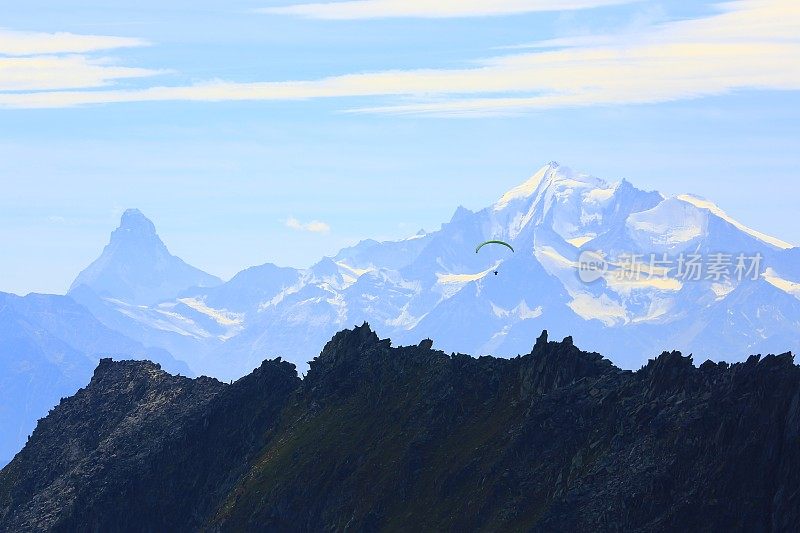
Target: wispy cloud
(314,226)
(369,9)
(748,44)
(27,43)
(42,73)
(36,61)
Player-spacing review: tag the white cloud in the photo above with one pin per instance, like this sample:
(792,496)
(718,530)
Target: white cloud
(35,61)
(314,226)
(749,44)
(368,9)
(26,43)
(41,73)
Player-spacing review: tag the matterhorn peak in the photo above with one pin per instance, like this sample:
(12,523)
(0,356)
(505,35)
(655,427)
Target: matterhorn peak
(135,219)
(134,227)
(136,267)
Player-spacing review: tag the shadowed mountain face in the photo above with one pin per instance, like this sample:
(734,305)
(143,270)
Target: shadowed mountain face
(381,438)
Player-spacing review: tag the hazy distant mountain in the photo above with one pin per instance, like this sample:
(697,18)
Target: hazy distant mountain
(49,346)
(433,284)
(137,268)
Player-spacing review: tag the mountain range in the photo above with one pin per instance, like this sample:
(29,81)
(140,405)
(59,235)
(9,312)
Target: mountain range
(383,438)
(434,285)
(431,284)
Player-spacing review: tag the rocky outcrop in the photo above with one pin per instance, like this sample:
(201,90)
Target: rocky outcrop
(410,438)
(140,449)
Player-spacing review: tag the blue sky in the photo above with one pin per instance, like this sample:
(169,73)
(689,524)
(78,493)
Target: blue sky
(269,131)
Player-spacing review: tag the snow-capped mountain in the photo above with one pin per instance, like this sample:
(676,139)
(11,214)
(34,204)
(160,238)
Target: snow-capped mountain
(433,284)
(136,267)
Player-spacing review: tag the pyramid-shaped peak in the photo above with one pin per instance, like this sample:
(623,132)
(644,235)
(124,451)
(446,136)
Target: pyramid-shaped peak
(134,217)
(136,267)
(133,222)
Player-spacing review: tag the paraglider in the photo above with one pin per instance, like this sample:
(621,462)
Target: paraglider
(503,243)
(481,245)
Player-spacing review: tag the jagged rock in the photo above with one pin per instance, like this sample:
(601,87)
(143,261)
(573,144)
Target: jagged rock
(139,446)
(410,438)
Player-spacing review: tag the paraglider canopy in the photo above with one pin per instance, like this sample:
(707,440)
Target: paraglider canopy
(481,245)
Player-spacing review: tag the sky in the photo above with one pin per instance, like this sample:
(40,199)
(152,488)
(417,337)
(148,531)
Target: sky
(253,132)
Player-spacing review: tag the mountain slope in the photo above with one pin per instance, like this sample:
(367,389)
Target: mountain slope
(137,268)
(48,348)
(379,438)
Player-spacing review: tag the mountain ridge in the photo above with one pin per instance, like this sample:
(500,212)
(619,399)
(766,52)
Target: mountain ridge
(49,345)
(381,437)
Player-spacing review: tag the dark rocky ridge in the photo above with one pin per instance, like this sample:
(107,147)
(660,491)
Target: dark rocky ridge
(409,438)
